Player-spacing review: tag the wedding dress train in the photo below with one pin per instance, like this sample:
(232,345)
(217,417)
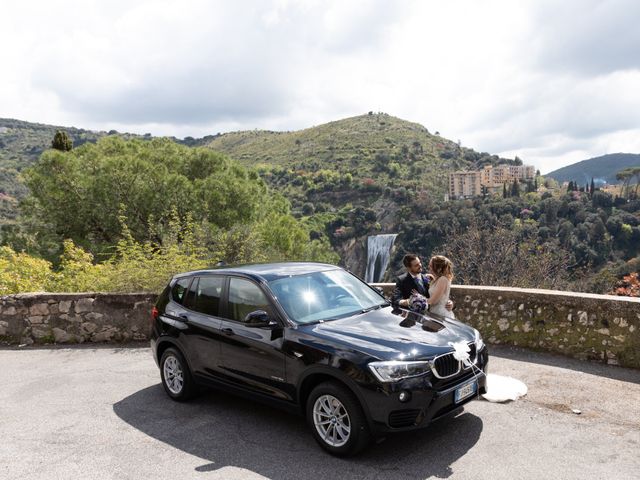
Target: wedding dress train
(503,389)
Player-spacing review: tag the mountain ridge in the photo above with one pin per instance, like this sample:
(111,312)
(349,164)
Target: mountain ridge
(602,169)
(375,147)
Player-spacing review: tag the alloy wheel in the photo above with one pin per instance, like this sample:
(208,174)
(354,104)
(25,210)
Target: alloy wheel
(173,375)
(331,420)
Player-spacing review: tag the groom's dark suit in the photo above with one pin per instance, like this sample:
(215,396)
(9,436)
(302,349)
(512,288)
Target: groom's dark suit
(405,284)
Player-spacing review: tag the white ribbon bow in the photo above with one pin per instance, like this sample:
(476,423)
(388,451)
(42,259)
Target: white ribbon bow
(461,352)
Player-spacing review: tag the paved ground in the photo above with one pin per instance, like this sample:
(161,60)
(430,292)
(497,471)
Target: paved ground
(101,413)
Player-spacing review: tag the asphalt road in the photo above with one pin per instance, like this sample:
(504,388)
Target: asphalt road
(101,413)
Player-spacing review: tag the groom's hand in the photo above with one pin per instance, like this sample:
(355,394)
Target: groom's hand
(405,301)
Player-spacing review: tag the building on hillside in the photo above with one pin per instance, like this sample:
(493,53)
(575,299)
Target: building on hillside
(465,184)
(489,180)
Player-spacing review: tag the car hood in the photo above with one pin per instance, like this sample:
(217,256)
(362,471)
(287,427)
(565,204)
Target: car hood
(388,336)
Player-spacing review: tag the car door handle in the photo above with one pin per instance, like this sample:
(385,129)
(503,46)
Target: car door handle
(184,316)
(227,331)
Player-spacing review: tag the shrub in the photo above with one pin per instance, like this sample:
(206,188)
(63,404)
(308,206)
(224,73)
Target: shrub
(20,272)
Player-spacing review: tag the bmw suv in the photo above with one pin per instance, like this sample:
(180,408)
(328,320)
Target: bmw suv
(319,341)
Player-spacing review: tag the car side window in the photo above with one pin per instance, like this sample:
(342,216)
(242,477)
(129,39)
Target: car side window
(245,297)
(207,295)
(179,289)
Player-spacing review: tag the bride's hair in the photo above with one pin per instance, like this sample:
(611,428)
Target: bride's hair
(441,266)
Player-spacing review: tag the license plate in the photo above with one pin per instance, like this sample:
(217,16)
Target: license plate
(465,391)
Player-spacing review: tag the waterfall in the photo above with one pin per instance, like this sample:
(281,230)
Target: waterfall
(378,252)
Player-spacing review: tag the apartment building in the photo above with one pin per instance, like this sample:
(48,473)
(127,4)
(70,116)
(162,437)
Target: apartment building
(490,179)
(465,184)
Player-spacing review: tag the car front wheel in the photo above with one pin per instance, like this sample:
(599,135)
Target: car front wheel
(337,420)
(176,377)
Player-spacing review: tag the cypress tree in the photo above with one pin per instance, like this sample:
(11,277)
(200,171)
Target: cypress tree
(515,189)
(61,141)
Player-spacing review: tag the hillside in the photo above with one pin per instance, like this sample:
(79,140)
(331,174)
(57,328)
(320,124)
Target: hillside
(344,143)
(345,161)
(601,169)
(375,161)
(352,160)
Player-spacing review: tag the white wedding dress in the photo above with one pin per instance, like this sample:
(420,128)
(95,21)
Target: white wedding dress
(440,308)
(499,388)
(503,389)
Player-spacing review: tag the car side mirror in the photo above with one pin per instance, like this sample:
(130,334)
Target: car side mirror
(259,319)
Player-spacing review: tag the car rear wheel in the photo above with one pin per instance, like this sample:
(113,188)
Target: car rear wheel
(176,377)
(337,420)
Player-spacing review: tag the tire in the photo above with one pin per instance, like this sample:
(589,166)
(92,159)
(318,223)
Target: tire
(176,376)
(336,419)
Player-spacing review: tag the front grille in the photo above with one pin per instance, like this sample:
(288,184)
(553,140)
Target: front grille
(403,418)
(445,366)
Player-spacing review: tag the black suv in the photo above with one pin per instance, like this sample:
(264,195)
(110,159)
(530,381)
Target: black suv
(317,339)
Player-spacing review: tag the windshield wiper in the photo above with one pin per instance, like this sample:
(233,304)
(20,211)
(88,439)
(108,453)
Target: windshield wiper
(348,314)
(375,307)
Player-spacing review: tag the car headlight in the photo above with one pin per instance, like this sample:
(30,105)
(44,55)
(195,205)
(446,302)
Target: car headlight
(479,341)
(395,370)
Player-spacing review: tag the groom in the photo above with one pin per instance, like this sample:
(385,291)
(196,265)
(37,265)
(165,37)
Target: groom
(412,281)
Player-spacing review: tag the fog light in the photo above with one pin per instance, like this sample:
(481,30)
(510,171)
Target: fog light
(404,396)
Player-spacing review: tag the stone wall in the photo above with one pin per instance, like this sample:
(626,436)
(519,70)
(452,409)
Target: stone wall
(581,325)
(74,318)
(586,326)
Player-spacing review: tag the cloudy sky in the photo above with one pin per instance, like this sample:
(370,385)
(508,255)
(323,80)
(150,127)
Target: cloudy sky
(553,82)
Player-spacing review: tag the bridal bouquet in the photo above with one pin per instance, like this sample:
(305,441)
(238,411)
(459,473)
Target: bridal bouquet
(417,303)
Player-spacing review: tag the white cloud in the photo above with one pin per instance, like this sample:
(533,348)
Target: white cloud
(552,83)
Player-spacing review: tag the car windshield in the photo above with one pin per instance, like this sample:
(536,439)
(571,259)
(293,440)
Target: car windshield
(322,296)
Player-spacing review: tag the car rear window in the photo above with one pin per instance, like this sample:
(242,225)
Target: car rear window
(163,299)
(179,289)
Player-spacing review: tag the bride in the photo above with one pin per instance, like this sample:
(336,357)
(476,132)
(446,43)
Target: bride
(442,270)
(499,388)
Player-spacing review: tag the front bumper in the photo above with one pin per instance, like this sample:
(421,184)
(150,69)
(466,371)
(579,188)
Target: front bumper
(429,399)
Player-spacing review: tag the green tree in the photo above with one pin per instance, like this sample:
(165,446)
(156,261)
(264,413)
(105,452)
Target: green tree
(626,176)
(81,194)
(143,206)
(531,187)
(629,173)
(515,188)
(602,199)
(61,141)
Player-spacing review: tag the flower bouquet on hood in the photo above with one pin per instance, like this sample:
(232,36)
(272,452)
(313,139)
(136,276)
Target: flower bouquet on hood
(417,303)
